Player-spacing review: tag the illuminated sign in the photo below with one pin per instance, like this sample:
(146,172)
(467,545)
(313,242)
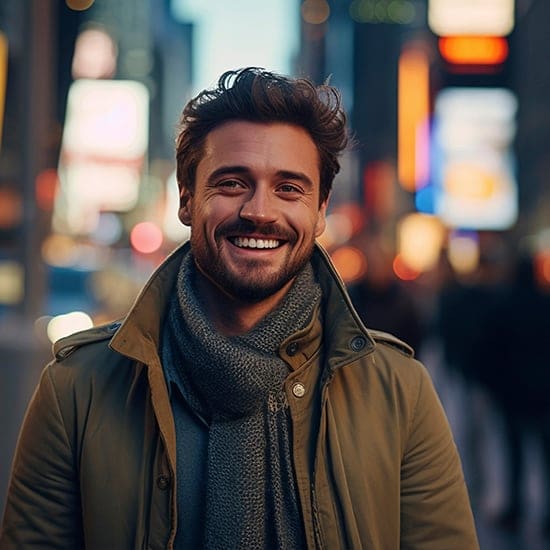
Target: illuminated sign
(474,50)
(471,17)
(413,103)
(472,158)
(105,141)
(106,119)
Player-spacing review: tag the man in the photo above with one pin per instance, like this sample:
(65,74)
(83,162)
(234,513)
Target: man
(241,403)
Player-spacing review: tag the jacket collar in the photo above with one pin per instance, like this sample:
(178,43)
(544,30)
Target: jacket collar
(344,334)
(139,334)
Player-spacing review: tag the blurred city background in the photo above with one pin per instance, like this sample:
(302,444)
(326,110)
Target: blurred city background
(439,220)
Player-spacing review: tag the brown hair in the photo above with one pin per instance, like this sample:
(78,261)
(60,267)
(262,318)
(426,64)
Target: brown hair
(256,95)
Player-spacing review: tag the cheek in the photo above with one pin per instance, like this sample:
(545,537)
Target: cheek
(211,215)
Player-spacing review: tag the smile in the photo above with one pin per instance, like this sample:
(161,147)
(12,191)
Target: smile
(251,242)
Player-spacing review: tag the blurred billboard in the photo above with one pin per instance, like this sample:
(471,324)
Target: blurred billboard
(473,167)
(103,152)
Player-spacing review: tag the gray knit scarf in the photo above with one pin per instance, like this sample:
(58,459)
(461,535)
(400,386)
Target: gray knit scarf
(236,385)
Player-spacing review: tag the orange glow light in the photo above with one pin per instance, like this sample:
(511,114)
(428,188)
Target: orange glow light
(46,188)
(474,50)
(470,181)
(315,12)
(11,208)
(403,271)
(542,269)
(350,262)
(79,5)
(413,111)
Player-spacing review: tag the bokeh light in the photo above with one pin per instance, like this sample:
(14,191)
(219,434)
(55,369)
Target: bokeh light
(315,12)
(95,55)
(60,250)
(400,12)
(11,208)
(46,188)
(420,241)
(79,5)
(146,237)
(108,230)
(67,324)
(463,252)
(11,282)
(350,262)
(404,271)
(542,269)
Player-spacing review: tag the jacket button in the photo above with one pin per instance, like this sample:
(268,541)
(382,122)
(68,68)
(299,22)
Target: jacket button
(292,348)
(299,390)
(163,482)
(358,343)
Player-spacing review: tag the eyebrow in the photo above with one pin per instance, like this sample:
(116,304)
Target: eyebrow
(244,170)
(291,175)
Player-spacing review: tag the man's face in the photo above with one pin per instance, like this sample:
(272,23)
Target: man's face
(254,212)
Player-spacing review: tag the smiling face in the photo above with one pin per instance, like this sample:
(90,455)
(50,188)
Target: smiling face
(254,211)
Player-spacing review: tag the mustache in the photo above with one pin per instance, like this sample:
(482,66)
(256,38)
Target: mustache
(245,227)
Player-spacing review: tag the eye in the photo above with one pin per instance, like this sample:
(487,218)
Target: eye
(290,188)
(230,184)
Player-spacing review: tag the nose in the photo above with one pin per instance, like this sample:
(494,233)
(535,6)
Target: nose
(259,207)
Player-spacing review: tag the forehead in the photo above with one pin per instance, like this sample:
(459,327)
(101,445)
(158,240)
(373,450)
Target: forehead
(261,146)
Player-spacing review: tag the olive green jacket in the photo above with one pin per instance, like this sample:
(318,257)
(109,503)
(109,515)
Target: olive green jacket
(375,462)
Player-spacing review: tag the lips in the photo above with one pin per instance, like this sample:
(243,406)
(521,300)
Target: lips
(255,242)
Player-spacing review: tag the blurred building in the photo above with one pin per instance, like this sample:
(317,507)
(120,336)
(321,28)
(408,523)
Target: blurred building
(446,100)
(384,57)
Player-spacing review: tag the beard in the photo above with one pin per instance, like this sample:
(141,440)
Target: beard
(253,280)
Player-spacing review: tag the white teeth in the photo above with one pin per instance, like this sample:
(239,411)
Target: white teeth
(246,242)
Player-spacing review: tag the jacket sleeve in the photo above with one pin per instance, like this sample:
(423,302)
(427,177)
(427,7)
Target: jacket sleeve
(43,504)
(435,507)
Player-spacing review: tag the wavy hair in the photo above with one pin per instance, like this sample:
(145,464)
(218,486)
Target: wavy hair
(256,95)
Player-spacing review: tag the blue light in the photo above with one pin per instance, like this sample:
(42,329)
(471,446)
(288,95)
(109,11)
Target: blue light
(425,200)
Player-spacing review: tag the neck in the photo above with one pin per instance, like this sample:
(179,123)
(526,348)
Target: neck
(230,315)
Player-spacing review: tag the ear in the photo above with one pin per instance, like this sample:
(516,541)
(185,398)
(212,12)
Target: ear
(184,213)
(321,222)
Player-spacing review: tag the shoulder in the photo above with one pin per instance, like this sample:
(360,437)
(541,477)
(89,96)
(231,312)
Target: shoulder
(65,347)
(85,358)
(394,361)
(86,369)
(387,340)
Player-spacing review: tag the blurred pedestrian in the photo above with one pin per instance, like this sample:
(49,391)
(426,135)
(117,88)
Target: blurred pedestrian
(519,381)
(465,324)
(241,403)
